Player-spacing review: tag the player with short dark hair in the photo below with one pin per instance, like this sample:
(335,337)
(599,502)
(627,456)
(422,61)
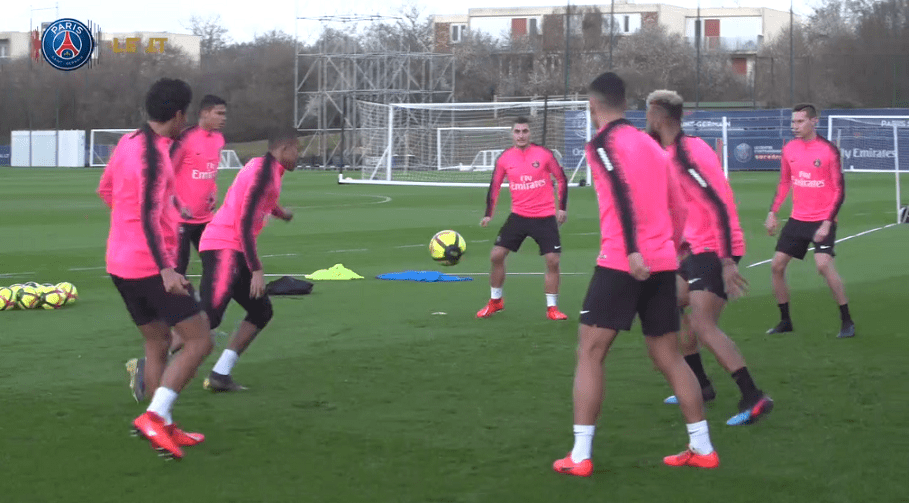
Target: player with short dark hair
(642,217)
(138,186)
(709,273)
(230,261)
(195,155)
(810,166)
(529,169)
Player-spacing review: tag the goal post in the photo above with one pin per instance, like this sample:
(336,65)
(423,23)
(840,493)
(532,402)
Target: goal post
(467,148)
(229,160)
(456,144)
(872,144)
(103,141)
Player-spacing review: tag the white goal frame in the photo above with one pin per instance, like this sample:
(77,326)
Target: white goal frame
(228,158)
(92,158)
(379,167)
(899,121)
(483,154)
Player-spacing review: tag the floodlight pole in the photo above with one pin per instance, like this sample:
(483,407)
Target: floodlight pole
(611,30)
(567,35)
(791,54)
(698,29)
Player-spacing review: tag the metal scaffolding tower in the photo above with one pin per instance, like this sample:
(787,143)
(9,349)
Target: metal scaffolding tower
(344,66)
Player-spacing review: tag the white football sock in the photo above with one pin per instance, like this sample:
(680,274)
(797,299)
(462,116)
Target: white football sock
(699,437)
(226,362)
(552,299)
(583,442)
(162,403)
(495,293)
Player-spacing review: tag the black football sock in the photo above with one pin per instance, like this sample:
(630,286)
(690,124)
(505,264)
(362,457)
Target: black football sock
(694,361)
(844,314)
(784,312)
(750,391)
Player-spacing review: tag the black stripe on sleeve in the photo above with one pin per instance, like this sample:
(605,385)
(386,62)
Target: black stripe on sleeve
(559,173)
(493,186)
(152,175)
(620,190)
(253,199)
(722,211)
(842,179)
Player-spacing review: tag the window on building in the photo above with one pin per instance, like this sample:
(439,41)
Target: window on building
(576,25)
(627,19)
(458,31)
(4,48)
(518,26)
(532,27)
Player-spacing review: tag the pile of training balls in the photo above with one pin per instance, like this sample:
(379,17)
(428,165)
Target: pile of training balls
(34,296)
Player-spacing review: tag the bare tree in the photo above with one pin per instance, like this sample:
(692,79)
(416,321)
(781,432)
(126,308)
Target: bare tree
(213,34)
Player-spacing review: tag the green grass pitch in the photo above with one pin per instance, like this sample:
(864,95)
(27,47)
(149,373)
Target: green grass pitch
(360,393)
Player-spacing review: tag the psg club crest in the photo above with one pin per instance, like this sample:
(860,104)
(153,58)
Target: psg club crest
(817,163)
(67,44)
(536,164)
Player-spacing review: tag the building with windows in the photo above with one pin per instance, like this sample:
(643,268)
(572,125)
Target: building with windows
(16,44)
(738,31)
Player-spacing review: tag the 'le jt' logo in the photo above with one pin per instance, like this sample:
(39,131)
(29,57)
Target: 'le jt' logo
(67,44)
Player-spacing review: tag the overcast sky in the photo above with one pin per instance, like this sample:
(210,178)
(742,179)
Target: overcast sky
(244,19)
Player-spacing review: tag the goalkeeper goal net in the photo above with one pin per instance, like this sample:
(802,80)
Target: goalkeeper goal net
(873,144)
(103,141)
(457,144)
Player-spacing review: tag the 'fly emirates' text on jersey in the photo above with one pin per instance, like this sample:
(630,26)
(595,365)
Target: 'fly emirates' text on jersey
(195,156)
(251,198)
(713,222)
(813,169)
(642,208)
(528,172)
(138,186)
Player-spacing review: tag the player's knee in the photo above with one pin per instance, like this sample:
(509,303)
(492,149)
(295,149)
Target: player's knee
(497,256)
(261,316)
(823,268)
(778,267)
(552,262)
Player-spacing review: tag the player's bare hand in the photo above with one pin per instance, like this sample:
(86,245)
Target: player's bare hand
(822,232)
(287,216)
(771,223)
(485,221)
(561,216)
(257,285)
(174,282)
(735,284)
(638,269)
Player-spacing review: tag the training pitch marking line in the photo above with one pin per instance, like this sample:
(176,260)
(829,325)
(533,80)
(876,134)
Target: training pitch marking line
(14,274)
(522,273)
(410,246)
(85,268)
(584,233)
(280,255)
(349,251)
(382,200)
(869,231)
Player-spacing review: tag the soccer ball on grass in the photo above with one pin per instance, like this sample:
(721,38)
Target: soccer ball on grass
(447,247)
(7,299)
(28,297)
(69,290)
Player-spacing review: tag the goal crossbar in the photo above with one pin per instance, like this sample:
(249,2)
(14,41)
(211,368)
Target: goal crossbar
(888,127)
